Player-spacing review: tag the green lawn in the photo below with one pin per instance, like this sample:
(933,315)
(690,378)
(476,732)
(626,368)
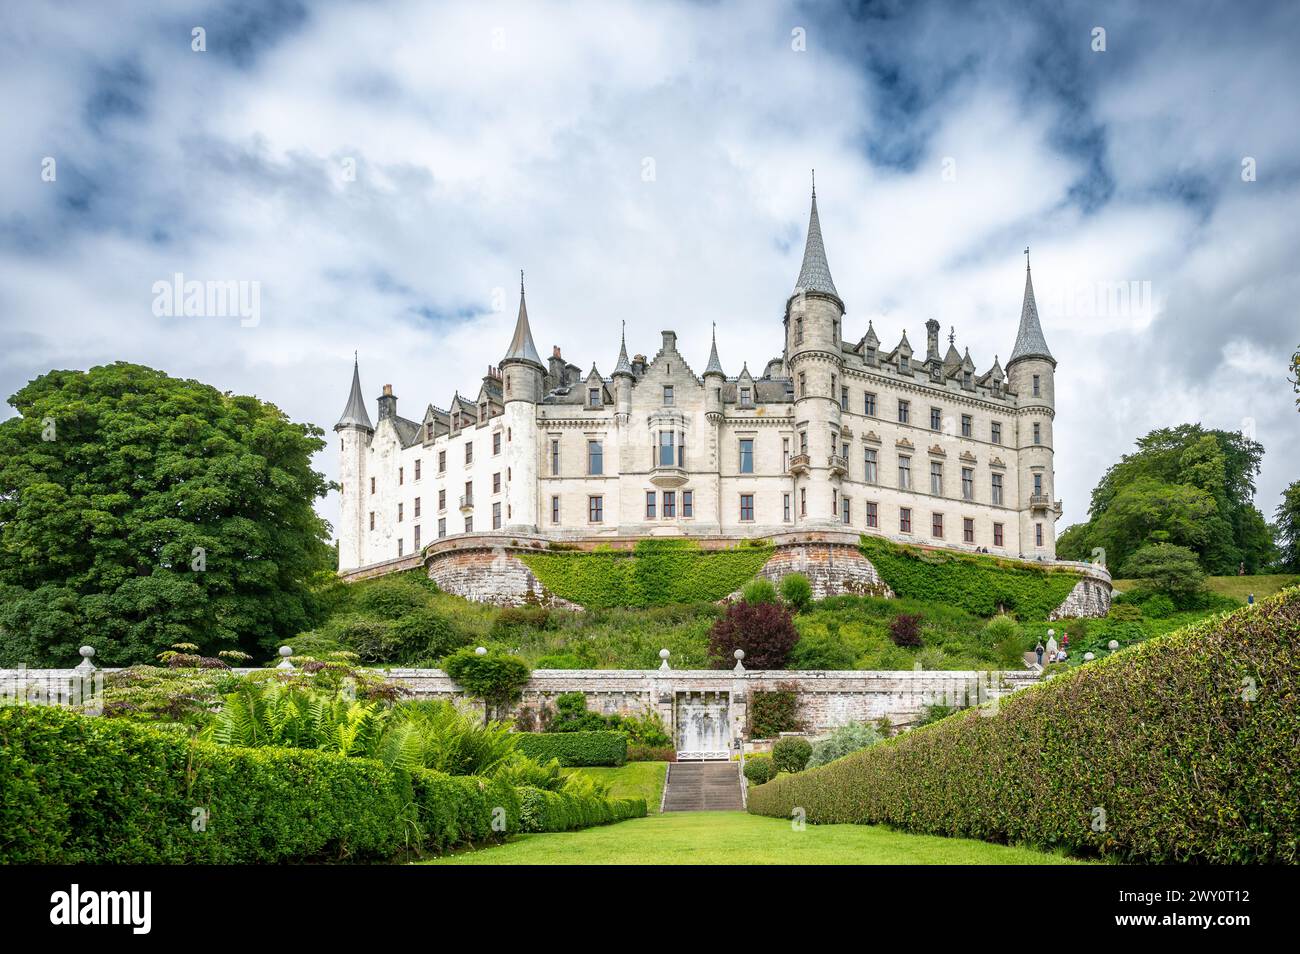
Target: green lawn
(633,780)
(1237,587)
(703,838)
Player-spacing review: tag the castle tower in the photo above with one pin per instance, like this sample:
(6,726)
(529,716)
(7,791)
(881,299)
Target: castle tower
(1031,374)
(622,377)
(355,432)
(813,317)
(521,387)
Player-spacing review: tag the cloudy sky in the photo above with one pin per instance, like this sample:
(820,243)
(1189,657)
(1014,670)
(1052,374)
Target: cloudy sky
(383,170)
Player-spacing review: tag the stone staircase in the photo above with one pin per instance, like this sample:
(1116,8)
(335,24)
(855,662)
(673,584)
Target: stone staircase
(703,787)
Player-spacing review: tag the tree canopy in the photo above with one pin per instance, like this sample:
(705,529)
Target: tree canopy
(1185,486)
(138,510)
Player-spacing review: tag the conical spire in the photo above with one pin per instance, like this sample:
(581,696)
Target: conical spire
(624,366)
(815,275)
(521,345)
(354,415)
(714,366)
(1030,342)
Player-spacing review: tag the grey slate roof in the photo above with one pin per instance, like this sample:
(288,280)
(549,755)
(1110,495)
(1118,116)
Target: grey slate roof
(815,275)
(1030,342)
(714,366)
(623,366)
(354,414)
(521,345)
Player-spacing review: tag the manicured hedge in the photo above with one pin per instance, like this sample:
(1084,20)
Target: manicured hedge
(77,790)
(1186,742)
(541,810)
(575,749)
(655,573)
(977,584)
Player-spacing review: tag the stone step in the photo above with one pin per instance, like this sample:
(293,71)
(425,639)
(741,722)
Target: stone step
(703,786)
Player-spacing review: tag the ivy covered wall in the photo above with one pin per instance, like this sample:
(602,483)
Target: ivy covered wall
(977,584)
(654,573)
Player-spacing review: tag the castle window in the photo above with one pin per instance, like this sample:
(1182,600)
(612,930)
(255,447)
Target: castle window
(469,452)
(442,462)
(593,397)
(746,397)
(967,425)
(372,520)
(1037,386)
(417,469)
(871,355)
(785,507)
(595,509)
(873,515)
(428,431)
(844,399)
(468,499)
(904,364)
(555,509)
(966,380)
(399,513)
(746,507)
(416,541)
(482,413)
(555,457)
(670,503)
(1038,485)
(968,483)
(496,482)
(869,404)
(399,546)
(936,478)
(904,473)
(496,516)
(798,331)
(668,395)
(442,501)
(595,458)
(936,525)
(995,432)
(904,519)
(936,418)
(803,501)
(832,386)
(1038,534)
(904,412)
(869,465)
(469,524)
(845,511)
(688,503)
(997,490)
(667,448)
(650,499)
(835,501)
(844,452)
(416,512)
(968,530)
(372,485)
(746,455)
(803,443)
(785,454)
(803,383)
(717,395)
(401,476)
(496,444)
(442,527)
(1038,433)
(997,534)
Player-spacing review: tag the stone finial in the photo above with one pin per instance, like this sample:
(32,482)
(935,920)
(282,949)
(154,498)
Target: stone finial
(1113,645)
(86,653)
(1088,657)
(740,655)
(664,654)
(285,653)
(480,651)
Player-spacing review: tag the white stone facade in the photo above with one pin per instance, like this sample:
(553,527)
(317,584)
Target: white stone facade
(834,433)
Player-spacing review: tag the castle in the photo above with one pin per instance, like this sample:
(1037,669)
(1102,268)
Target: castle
(834,434)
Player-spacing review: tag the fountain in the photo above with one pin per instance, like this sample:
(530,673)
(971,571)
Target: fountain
(703,726)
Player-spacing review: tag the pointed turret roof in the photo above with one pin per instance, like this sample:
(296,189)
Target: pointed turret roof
(1030,342)
(521,345)
(354,414)
(623,366)
(714,366)
(870,337)
(815,275)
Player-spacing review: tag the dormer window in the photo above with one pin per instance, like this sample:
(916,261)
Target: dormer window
(904,363)
(871,355)
(746,397)
(482,413)
(593,397)
(965,379)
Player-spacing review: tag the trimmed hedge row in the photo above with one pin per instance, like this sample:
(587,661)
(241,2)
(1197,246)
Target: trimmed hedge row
(1180,749)
(977,584)
(541,810)
(655,573)
(78,790)
(575,749)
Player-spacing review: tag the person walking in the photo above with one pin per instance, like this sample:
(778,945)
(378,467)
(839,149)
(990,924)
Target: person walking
(1038,651)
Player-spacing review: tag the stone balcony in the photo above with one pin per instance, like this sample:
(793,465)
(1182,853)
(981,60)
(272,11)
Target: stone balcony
(839,465)
(668,475)
(1040,502)
(467,503)
(800,464)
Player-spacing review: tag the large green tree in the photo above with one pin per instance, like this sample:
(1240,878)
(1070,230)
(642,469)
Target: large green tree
(1185,486)
(1288,528)
(138,510)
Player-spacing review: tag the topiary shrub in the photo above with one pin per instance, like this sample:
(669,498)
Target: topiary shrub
(574,749)
(759,769)
(765,631)
(1186,740)
(905,630)
(796,591)
(495,677)
(791,754)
